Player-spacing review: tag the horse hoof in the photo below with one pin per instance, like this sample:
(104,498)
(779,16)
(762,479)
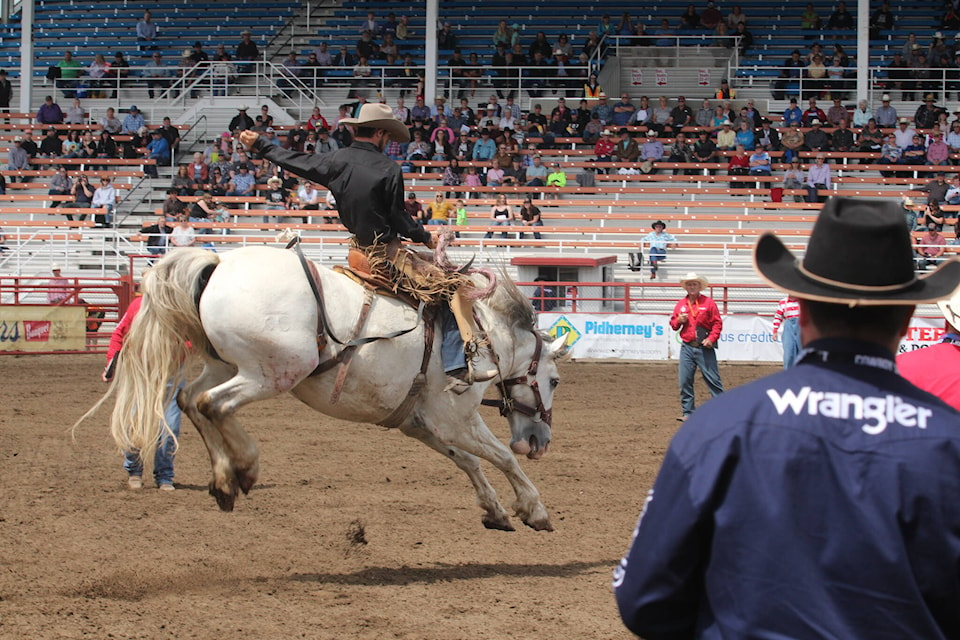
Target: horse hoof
(224,500)
(539,525)
(246,480)
(497,524)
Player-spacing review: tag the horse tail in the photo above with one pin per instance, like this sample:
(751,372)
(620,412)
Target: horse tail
(165,335)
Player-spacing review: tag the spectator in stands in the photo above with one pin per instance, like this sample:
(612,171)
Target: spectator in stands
(793,178)
(146,31)
(501,215)
(658,241)
(60,185)
(49,112)
(241,121)
(761,164)
(809,20)
(704,117)
(816,139)
(928,113)
(651,151)
(931,214)
(767,136)
(403,30)
(537,173)
(70,71)
(837,112)
(605,147)
(735,18)
(930,248)
(890,153)
(98,71)
(242,182)
(813,112)
(157,74)
(726,137)
(627,150)
(818,179)
(70,147)
(746,38)
(840,18)
(6,90)
(105,196)
(680,116)
(17,159)
(58,291)
(278,198)
(705,150)
(556,178)
(744,135)
(881,20)
(183,234)
(158,150)
(623,111)
(118,72)
(133,121)
(681,151)
(938,153)
(861,115)
(157,236)
(494,174)
(75,114)
(842,138)
(793,115)
(82,192)
(915,152)
(936,189)
(886,114)
(51,144)
(870,140)
(503,36)
(246,52)
(484,149)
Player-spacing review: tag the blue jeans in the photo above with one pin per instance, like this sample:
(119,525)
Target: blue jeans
(657,254)
(790,337)
(692,358)
(536,234)
(163,458)
(451,344)
(497,223)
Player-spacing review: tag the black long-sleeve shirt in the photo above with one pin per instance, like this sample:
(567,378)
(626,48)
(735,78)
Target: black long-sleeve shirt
(367,185)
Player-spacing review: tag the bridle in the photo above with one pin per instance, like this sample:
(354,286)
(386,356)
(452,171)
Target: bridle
(508,405)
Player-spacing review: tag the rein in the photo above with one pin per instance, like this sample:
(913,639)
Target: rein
(507,405)
(316,287)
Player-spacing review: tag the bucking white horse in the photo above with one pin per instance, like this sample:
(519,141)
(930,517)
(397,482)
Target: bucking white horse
(252,318)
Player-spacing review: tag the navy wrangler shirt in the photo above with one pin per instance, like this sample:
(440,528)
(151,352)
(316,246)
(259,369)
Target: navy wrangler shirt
(821,502)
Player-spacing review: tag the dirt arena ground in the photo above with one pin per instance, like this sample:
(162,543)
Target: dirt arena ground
(83,557)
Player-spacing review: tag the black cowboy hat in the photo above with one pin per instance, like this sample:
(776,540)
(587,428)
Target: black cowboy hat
(859,254)
(658,222)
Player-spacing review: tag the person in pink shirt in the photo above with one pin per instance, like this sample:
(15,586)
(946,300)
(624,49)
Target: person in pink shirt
(938,152)
(937,368)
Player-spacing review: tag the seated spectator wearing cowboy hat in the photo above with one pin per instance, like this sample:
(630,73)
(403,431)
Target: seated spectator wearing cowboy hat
(658,241)
(834,481)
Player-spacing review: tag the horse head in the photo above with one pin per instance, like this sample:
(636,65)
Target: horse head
(527,393)
(527,369)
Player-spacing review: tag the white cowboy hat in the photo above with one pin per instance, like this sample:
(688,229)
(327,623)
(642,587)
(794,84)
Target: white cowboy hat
(380,116)
(691,277)
(950,308)
(885,97)
(54,267)
(274,180)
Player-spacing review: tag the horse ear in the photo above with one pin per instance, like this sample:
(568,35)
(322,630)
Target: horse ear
(558,347)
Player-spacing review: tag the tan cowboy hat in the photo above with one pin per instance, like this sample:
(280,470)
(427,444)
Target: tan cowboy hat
(380,116)
(691,277)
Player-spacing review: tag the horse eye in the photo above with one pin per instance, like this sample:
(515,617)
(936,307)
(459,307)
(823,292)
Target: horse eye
(554,383)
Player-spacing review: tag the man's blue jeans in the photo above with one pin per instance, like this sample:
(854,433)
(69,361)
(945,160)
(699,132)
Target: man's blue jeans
(692,358)
(451,343)
(790,337)
(163,458)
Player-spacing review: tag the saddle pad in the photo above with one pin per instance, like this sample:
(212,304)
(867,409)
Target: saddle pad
(379,285)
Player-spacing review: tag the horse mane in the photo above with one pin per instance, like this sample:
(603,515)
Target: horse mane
(508,301)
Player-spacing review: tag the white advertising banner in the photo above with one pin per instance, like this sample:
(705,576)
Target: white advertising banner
(745,338)
(615,335)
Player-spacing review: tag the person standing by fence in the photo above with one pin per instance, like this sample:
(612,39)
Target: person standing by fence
(163,458)
(786,322)
(698,320)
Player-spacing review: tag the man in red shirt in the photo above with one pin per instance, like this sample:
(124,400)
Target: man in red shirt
(698,320)
(936,369)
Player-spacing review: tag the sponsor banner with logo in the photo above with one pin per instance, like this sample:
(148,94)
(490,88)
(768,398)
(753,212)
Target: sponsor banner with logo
(614,335)
(745,338)
(42,328)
